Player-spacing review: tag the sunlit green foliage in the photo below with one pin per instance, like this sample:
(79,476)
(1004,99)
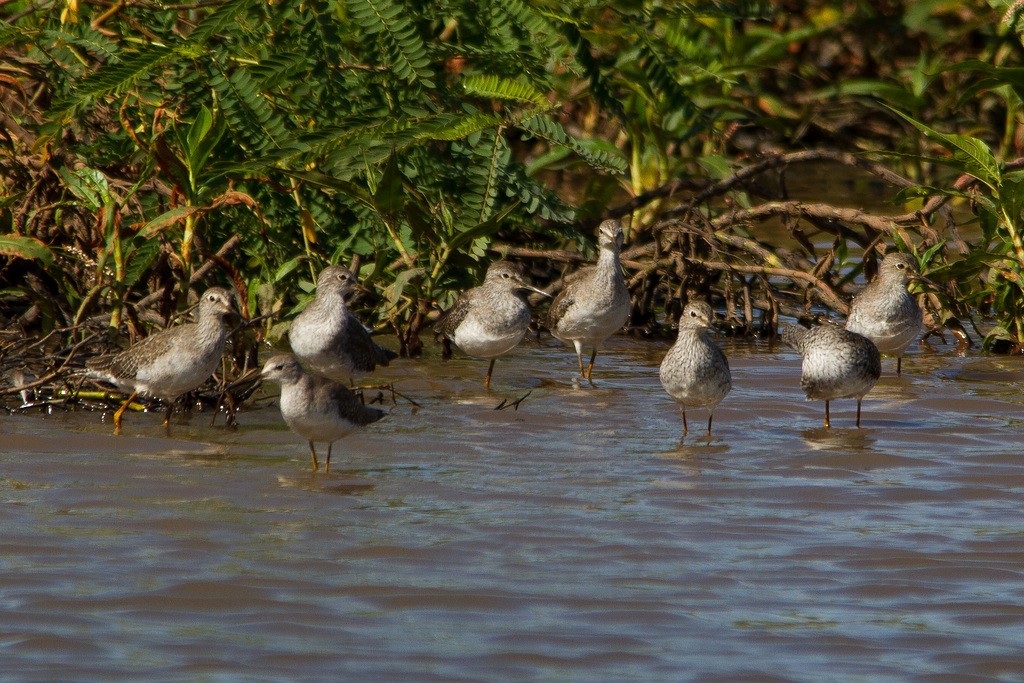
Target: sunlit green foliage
(414,137)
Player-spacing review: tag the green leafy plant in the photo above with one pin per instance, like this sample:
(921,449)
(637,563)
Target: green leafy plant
(996,262)
(416,141)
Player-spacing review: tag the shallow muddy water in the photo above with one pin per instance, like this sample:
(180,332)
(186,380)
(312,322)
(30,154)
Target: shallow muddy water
(573,539)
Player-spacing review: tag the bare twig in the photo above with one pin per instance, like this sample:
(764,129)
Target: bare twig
(505,403)
(810,211)
(199,273)
(53,374)
(829,295)
(559,255)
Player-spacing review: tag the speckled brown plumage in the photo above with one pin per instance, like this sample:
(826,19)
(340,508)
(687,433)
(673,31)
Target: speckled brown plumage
(885,312)
(329,338)
(695,372)
(836,363)
(314,407)
(171,362)
(488,321)
(594,302)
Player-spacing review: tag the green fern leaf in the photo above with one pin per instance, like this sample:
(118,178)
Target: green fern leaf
(224,16)
(248,111)
(118,77)
(91,40)
(496,159)
(600,89)
(607,159)
(406,49)
(484,169)
(9,33)
(496,87)
(530,20)
(458,127)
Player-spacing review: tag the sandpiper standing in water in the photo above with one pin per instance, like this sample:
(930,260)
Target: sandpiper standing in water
(695,372)
(837,363)
(885,312)
(316,408)
(490,320)
(171,362)
(329,338)
(594,304)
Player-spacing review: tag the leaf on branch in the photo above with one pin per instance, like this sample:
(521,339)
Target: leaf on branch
(405,47)
(19,246)
(496,87)
(970,155)
(116,78)
(457,128)
(167,219)
(395,290)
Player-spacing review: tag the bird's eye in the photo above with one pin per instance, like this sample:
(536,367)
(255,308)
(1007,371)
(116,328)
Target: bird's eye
(211,298)
(693,314)
(505,275)
(901,266)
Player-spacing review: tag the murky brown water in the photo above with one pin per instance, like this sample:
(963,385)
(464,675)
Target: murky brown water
(575,539)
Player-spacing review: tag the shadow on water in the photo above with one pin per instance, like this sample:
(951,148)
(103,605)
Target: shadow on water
(700,446)
(340,483)
(695,457)
(839,439)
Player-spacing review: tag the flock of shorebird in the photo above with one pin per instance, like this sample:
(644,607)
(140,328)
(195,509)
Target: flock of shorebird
(330,346)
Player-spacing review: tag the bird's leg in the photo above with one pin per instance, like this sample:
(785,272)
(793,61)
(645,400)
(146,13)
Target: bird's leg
(327,465)
(899,367)
(120,412)
(579,357)
(686,429)
(312,452)
(827,424)
(167,417)
(710,417)
(490,369)
(590,366)
(858,413)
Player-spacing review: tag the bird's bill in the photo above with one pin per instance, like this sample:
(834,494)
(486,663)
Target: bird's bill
(534,289)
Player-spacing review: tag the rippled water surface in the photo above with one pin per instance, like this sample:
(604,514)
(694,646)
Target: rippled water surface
(573,539)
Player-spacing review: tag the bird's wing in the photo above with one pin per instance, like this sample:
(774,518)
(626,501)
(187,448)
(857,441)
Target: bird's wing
(453,317)
(349,406)
(567,297)
(559,306)
(721,354)
(577,275)
(125,364)
(366,354)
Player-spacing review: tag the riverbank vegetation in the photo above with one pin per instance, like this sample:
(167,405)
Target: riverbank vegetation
(148,148)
